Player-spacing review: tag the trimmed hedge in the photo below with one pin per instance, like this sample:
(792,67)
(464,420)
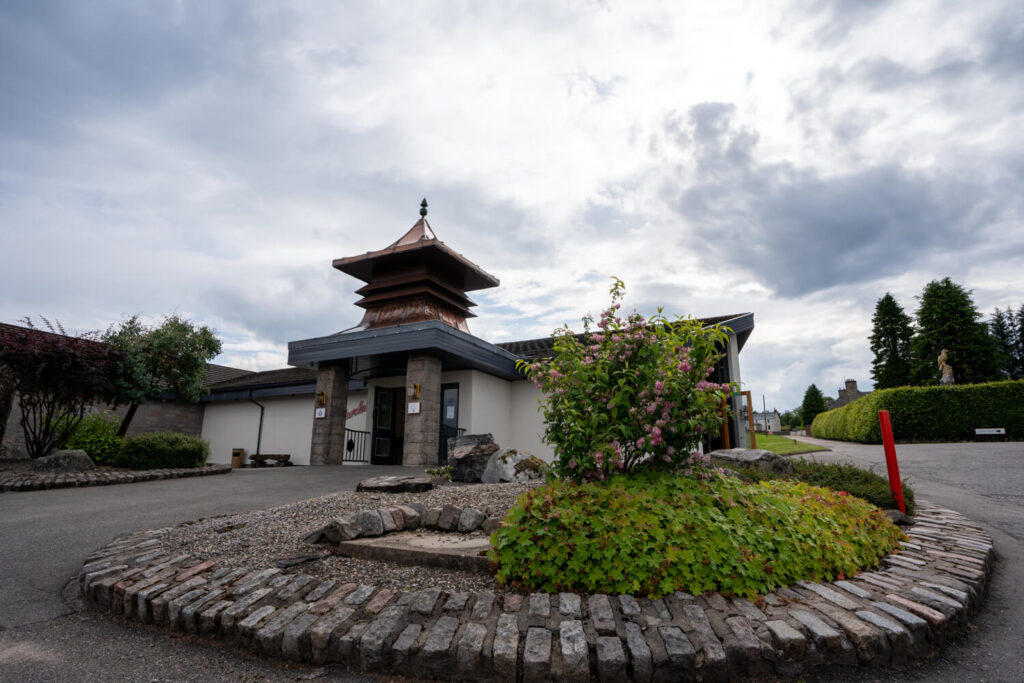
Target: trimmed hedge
(933,413)
(856,481)
(161,450)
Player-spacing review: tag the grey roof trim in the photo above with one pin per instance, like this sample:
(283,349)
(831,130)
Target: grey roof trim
(431,335)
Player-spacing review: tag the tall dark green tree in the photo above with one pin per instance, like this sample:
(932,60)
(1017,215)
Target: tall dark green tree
(1006,328)
(948,319)
(814,403)
(890,342)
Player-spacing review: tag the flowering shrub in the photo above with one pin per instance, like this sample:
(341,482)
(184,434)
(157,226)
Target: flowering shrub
(633,391)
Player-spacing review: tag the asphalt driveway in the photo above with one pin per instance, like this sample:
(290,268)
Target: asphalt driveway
(46,535)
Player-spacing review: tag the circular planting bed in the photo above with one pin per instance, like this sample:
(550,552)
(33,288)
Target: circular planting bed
(218,578)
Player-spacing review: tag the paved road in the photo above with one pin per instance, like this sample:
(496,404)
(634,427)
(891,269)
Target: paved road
(44,635)
(986,483)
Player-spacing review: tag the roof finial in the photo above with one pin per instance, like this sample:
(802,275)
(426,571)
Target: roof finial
(423,208)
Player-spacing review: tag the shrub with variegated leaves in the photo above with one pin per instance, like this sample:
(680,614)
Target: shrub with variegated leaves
(632,391)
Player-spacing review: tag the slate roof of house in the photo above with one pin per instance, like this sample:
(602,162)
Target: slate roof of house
(531,349)
(216,374)
(265,378)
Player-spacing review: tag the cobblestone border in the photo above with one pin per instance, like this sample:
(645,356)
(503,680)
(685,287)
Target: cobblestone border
(903,611)
(37,481)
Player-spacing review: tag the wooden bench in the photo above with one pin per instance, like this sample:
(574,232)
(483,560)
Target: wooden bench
(280,459)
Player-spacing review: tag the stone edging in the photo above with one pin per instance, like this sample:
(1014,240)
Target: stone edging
(903,611)
(36,481)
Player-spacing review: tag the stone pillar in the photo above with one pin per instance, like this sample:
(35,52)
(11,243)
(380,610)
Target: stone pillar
(328,445)
(422,429)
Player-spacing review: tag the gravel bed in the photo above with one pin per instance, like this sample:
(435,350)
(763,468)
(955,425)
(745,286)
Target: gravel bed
(254,540)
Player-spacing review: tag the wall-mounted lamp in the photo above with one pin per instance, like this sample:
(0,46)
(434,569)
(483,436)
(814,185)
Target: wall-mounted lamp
(321,398)
(413,391)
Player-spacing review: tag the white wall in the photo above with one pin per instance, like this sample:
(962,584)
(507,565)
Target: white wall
(528,422)
(287,427)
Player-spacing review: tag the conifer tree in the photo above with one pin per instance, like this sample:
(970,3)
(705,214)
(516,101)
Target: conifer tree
(948,319)
(1006,327)
(890,343)
(814,403)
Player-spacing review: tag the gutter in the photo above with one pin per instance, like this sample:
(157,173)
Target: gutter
(259,434)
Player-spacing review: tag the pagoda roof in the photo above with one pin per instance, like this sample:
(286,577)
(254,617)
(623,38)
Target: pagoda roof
(416,247)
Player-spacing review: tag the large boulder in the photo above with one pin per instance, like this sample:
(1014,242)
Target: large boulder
(64,461)
(763,461)
(468,456)
(511,465)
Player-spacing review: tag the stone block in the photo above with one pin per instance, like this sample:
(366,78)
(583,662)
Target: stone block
(470,520)
(379,635)
(449,518)
(787,639)
(469,649)
(295,642)
(570,605)
(639,654)
(575,655)
(537,655)
(369,523)
(483,605)
(505,647)
(601,616)
(611,660)
(403,649)
(434,654)
(325,628)
(682,657)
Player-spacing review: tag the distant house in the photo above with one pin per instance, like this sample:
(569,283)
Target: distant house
(846,395)
(767,421)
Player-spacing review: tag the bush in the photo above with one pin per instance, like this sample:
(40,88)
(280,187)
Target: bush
(97,435)
(164,450)
(934,413)
(635,391)
(651,534)
(856,481)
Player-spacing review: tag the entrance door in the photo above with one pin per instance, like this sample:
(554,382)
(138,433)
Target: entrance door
(388,426)
(449,420)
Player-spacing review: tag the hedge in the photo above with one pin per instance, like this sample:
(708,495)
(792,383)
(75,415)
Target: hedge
(933,413)
(160,450)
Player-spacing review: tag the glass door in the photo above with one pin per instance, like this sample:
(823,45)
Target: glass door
(449,420)
(388,426)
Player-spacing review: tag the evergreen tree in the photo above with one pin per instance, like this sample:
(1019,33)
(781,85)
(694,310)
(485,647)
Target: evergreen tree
(1003,329)
(814,403)
(890,342)
(948,319)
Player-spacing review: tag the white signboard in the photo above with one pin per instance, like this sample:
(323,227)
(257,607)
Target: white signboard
(414,407)
(321,412)
(990,431)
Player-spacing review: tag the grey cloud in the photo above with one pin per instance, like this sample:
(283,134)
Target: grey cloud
(802,232)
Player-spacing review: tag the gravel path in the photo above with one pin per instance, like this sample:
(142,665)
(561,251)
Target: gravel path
(256,539)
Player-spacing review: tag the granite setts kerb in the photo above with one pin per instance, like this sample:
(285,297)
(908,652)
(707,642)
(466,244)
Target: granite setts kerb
(903,611)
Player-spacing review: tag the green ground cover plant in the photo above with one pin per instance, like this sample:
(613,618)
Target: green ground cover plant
(931,413)
(651,533)
(854,480)
(784,445)
(160,450)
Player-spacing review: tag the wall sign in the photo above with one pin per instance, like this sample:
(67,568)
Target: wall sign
(321,413)
(414,407)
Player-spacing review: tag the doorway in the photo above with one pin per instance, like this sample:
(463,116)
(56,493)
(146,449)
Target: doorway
(449,422)
(388,426)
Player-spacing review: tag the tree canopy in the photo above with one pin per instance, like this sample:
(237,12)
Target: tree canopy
(814,403)
(169,358)
(948,319)
(1008,329)
(891,334)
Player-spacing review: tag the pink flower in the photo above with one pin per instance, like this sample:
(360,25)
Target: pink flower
(659,387)
(666,458)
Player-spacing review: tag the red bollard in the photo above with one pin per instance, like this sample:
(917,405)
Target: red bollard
(890,459)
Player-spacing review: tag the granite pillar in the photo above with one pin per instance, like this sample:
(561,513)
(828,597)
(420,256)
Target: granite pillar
(422,429)
(328,444)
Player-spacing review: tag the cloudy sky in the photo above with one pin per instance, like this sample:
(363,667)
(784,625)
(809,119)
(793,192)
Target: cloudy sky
(794,160)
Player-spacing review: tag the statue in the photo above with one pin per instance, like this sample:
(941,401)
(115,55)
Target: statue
(945,368)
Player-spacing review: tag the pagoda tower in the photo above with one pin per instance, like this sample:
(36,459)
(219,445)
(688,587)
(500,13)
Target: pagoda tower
(415,278)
